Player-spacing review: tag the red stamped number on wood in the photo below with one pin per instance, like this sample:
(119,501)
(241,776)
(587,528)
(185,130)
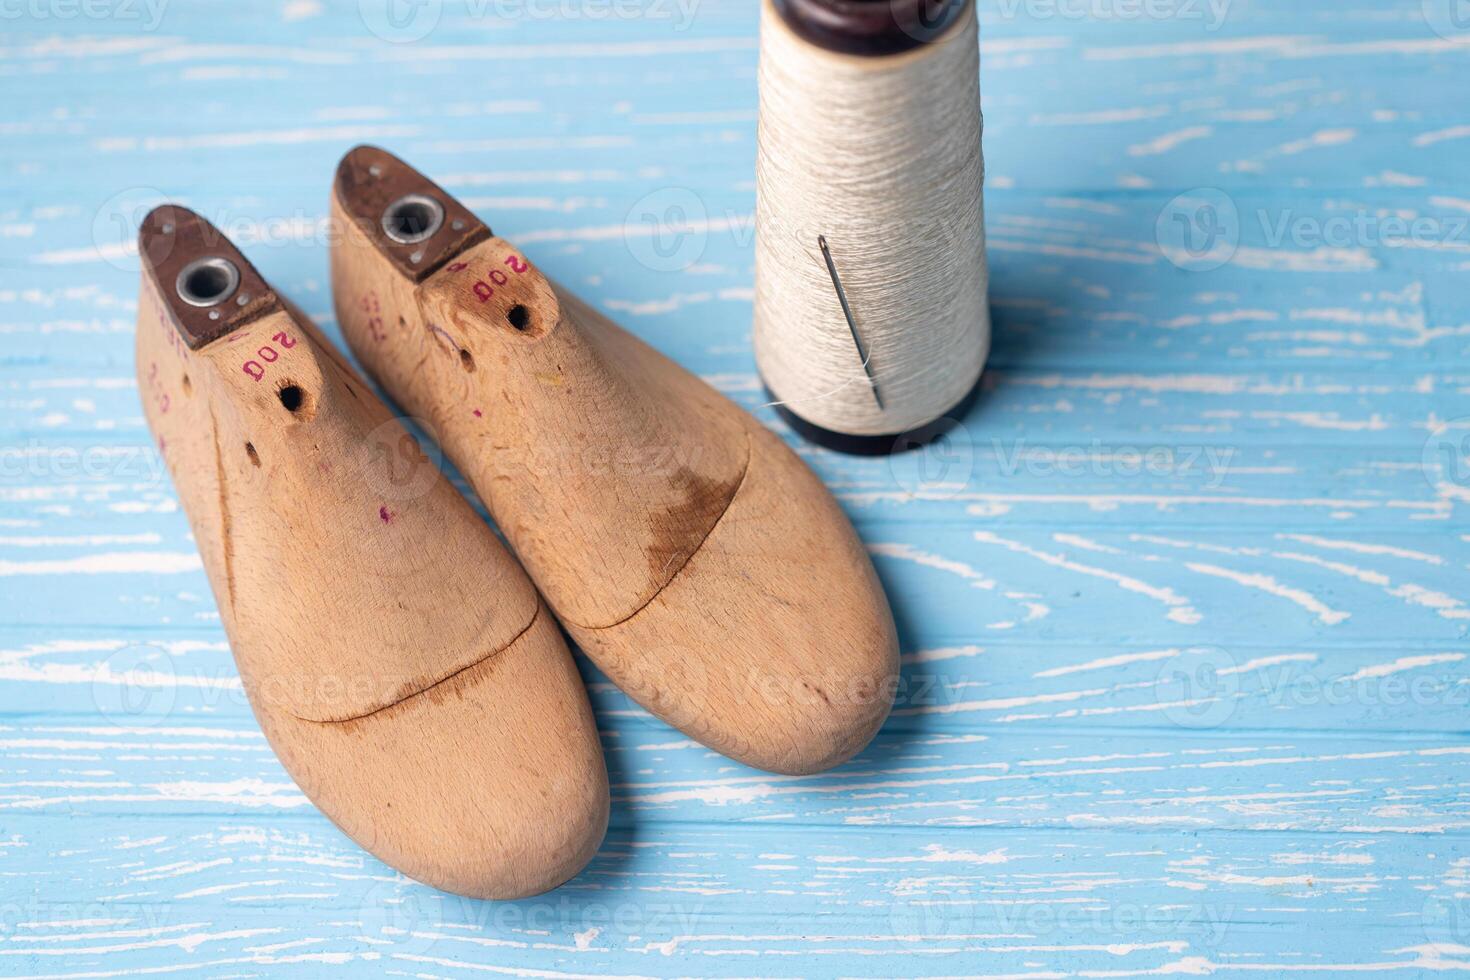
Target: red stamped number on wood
(485,286)
(268,354)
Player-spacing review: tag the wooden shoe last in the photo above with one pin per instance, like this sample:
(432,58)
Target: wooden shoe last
(689,552)
(397,657)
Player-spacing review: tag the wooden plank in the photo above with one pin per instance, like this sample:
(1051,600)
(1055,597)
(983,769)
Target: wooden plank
(1182,602)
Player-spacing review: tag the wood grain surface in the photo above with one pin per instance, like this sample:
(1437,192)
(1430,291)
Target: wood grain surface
(1182,603)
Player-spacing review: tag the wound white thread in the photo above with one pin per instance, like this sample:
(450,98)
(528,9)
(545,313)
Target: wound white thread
(881,157)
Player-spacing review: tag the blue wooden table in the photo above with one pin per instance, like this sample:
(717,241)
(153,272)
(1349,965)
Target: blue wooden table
(1183,600)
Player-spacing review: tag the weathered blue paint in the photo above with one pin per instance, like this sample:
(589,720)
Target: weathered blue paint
(1183,601)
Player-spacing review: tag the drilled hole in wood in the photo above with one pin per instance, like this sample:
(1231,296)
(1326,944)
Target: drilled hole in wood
(519,317)
(466,360)
(250,451)
(292,397)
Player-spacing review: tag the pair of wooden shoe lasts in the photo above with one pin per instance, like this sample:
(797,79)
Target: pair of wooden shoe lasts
(399,659)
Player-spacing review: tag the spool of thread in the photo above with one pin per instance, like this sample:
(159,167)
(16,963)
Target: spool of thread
(871,319)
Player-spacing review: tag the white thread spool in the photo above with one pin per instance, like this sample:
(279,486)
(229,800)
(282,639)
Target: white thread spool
(869,136)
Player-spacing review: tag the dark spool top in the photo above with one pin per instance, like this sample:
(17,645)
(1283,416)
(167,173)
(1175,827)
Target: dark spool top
(870,27)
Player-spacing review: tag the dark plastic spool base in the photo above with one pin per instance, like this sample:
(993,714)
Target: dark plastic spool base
(870,27)
(878,445)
